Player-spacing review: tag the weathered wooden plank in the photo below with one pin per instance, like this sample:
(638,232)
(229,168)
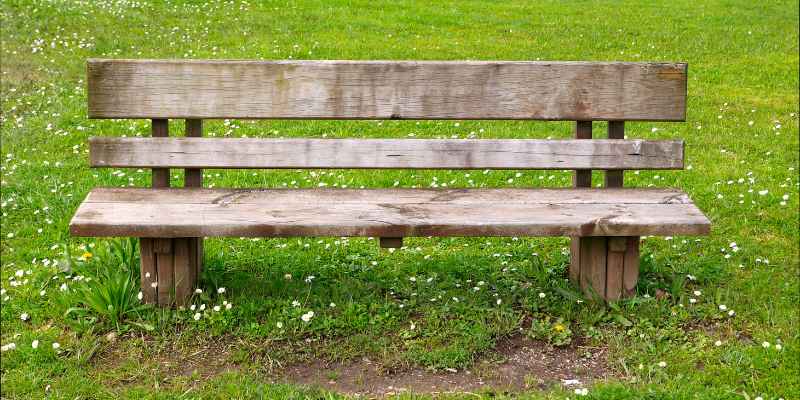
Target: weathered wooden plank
(615,266)
(386,90)
(183,270)
(583,177)
(631,272)
(160,129)
(165,265)
(614,177)
(575,260)
(387,153)
(148,270)
(157,213)
(392,196)
(594,257)
(193,177)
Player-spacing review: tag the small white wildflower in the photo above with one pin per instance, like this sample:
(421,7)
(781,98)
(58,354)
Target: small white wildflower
(35,344)
(731,313)
(221,290)
(217,308)
(698,293)
(198,291)
(295,303)
(307,316)
(718,343)
(765,345)
(723,307)
(583,391)
(662,364)
(197,316)
(310,278)
(542,295)
(24,316)
(140,296)
(778,347)
(332,305)
(56,345)
(7,347)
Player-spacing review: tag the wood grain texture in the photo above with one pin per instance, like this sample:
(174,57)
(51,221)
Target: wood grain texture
(160,129)
(631,272)
(166,274)
(615,177)
(193,177)
(575,261)
(386,90)
(595,261)
(581,178)
(387,213)
(183,274)
(385,153)
(615,267)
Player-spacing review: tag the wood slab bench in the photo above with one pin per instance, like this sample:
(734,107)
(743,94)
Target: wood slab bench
(604,224)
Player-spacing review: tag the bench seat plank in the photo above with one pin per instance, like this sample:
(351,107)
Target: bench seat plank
(189,212)
(386,153)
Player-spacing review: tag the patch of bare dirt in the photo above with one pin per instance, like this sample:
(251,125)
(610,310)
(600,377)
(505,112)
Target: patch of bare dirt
(516,364)
(523,364)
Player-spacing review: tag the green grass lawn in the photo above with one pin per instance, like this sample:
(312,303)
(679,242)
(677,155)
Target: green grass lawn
(727,327)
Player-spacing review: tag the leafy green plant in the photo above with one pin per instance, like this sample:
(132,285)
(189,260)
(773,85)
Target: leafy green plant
(108,291)
(556,333)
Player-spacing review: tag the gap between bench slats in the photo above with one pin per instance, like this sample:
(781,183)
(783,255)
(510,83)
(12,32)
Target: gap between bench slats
(385,153)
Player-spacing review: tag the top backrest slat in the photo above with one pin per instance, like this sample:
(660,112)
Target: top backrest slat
(386,90)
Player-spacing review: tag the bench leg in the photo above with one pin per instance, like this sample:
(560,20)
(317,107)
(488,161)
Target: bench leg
(169,269)
(606,267)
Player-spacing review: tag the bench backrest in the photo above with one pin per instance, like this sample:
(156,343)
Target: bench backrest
(196,90)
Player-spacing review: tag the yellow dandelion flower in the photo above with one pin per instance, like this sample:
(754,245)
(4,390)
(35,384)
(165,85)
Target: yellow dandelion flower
(558,327)
(87,255)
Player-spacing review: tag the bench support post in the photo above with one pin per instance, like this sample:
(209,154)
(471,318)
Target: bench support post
(604,267)
(170,266)
(193,177)
(169,270)
(581,178)
(609,266)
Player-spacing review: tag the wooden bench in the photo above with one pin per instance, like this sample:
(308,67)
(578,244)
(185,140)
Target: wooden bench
(604,224)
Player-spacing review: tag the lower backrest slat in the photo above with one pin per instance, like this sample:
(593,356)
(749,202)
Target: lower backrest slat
(385,153)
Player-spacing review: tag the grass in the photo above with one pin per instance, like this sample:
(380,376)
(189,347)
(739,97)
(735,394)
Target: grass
(742,143)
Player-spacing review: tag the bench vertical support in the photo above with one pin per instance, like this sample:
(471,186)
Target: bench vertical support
(622,268)
(604,267)
(581,178)
(193,177)
(169,266)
